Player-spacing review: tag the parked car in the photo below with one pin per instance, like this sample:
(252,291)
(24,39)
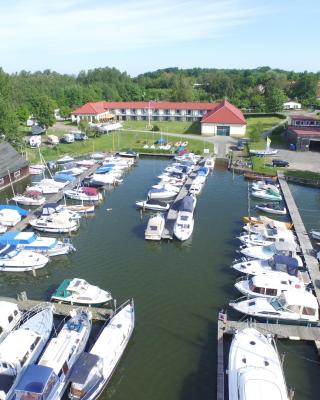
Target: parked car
(80,136)
(52,139)
(279,163)
(67,138)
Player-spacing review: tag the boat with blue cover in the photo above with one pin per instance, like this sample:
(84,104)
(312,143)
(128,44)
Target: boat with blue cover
(61,177)
(13,260)
(20,210)
(49,246)
(184,224)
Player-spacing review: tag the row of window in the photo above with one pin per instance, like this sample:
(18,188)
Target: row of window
(306,123)
(16,175)
(157,112)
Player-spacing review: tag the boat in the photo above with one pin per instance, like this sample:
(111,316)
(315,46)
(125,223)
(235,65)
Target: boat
(265,237)
(153,204)
(50,209)
(13,260)
(30,198)
(266,195)
(268,222)
(161,194)
(285,264)
(155,227)
(97,156)
(43,189)
(86,163)
(264,185)
(254,368)
(74,171)
(184,224)
(56,223)
(93,370)
(84,193)
(195,188)
(10,315)
(203,171)
(269,285)
(52,182)
(48,379)
(263,153)
(81,208)
(105,179)
(23,345)
(128,153)
(290,306)
(80,292)
(48,246)
(9,217)
(272,208)
(315,234)
(251,176)
(64,178)
(168,187)
(65,159)
(285,248)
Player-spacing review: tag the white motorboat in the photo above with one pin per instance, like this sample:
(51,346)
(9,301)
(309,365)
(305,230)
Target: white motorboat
(56,223)
(48,246)
(161,194)
(266,237)
(263,185)
(168,187)
(268,285)
(263,153)
(292,305)
(315,234)
(93,370)
(80,292)
(268,222)
(286,248)
(97,156)
(106,179)
(10,315)
(209,163)
(128,153)
(153,204)
(45,189)
(86,163)
(155,227)
(9,217)
(30,198)
(65,159)
(184,224)
(84,193)
(52,182)
(80,208)
(266,195)
(23,346)
(13,260)
(51,373)
(3,228)
(196,187)
(50,209)
(276,263)
(74,171)
(254,368)
(258,228)
(272,208)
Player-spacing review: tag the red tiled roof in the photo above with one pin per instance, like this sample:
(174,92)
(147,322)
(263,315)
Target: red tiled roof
(103,106)
(224,113)
(305,130)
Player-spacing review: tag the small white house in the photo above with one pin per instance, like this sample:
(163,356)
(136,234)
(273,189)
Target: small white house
(291,105)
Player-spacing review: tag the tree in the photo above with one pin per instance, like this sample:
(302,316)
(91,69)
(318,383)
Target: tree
(182,90)
(274,100)
(23,113)
(65,111)
(43,111)
(9,122)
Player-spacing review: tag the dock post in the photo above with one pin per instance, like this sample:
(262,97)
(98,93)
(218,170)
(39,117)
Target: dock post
(220,363)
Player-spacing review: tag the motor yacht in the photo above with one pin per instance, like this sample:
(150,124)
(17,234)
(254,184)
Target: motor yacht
(161,194)
(155,227)
(56,223)
(266,195)
(13,260)
(153,204)
(9,217)
(10,315)
(272,208)
(84,193)
(30,198)
(184,224)
(286,248)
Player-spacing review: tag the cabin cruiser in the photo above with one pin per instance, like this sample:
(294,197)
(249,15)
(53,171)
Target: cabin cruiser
(209,163)
(80,208)
(155,227)
(265,185)
(10,315)
(267,195)
(52,182)
(105,179)
(266,237)
(269,285)
(129,153)
(84,193)
(191,157)
(80,292)
(168,187)
(286,248)
(315,234)
(43,189)
(85,163)
(65,159)
(195,188)
(49,378)
(272,208)
(23,346)
(292,305)
(260,228)
(9,217)
(161,193)
(184,224)
(30,198)
(13,260)
(254,368)
(50,209)
(153,204)
(30,241)
(262,220)
(286,264)
(92,372)
(56,223)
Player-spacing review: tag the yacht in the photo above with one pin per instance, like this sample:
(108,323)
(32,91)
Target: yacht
(272,208)
(266,221)
(155,227)
(105,179)
(49,378)
(9,217)
(23,345)
(43,189)
(161,194)
(286,248)
(184,224)
(254,368)
(153,204)
(84,193)
(13,260)
(168,187)
(80,292)
(93,370)
(56,223)
(51,182)
(269,285)
(10,315)
(266,237)
(30,198)
(30,241)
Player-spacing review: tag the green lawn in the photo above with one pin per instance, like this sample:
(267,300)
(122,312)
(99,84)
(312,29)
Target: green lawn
(165,126)
(256,126)
(263,165)
(118,141)
(303,174)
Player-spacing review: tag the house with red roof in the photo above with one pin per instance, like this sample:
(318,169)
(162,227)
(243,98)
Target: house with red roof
(304,132)
(216,118)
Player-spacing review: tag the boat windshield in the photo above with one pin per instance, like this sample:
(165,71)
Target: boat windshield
(277,303)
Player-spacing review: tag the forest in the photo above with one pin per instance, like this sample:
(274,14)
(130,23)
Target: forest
(253,90)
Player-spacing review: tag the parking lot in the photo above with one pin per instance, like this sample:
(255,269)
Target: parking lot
(307,161)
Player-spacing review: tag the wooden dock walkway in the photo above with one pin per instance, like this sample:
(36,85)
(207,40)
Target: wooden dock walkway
(307,250)
(53,198)
(99,314)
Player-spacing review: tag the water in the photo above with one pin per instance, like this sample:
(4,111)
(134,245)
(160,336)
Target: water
(178,288)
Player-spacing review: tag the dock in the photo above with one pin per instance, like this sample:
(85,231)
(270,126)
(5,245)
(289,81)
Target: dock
(24,304)
(53,198)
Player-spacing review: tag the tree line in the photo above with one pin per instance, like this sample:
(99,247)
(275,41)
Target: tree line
(39,93)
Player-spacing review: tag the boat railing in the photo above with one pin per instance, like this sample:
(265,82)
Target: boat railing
(242,298)
(241,279)
(33,311)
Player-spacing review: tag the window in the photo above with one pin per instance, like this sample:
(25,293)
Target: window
(271,292)
(10,318)
(17,174)
(308,311)
(223,130)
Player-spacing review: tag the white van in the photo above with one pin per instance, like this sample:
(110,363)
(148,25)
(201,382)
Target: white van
(35,141)
(53,139)
(67,138)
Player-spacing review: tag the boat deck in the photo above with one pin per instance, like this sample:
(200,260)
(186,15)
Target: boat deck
(53,198)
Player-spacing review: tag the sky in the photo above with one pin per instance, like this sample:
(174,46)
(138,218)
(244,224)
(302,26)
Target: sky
(138,36)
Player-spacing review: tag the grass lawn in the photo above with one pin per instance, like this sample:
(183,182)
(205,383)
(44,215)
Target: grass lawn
(302,174)
(114,142)
(263,165)
(255,128)
(166,126)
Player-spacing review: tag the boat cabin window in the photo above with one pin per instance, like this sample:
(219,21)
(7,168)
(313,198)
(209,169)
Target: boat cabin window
(10,318)
(184,218)
(15,313)
(35,343)
(308,311)
(255,289)
(153,228)
(276,304)
(271,292)
(293,308)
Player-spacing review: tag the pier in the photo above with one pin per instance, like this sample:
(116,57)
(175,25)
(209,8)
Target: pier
(53,198)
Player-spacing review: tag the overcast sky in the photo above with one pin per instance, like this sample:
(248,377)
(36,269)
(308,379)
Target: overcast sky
(139,35)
